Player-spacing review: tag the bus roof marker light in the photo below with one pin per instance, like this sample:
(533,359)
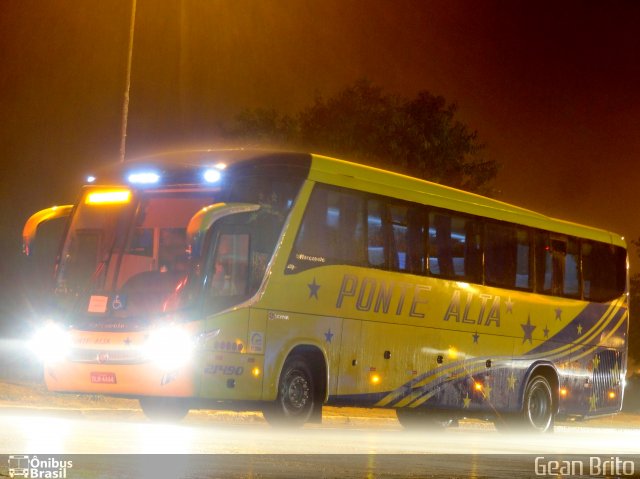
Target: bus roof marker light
(91,179)
(212,175)
(143,178)
(108,197)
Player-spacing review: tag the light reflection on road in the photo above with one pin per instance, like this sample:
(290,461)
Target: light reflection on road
(60,435)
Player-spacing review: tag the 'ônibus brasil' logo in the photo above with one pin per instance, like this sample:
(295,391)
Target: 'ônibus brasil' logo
(34,467)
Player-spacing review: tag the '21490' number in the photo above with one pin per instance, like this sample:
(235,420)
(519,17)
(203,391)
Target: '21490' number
(225,370)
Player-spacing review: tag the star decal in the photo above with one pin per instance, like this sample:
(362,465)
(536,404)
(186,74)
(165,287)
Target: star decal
(528,331)
(475,337)
(487,392)
(593,402)
(546,331)
(467,401)
(328,336)
(127,341)
(313,289)
(511,381)
(596,361)
(558,314)
(579,329)
(509,304)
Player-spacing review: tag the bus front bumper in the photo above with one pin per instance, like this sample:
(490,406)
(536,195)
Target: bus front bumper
(144,379)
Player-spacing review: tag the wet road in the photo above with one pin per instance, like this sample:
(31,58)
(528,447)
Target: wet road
(245,446)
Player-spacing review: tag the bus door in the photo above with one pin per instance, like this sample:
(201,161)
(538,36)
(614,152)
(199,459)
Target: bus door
(226,328)
(231,264)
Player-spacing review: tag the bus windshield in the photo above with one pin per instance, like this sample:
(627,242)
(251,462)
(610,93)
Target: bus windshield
(124,254)
(134,246)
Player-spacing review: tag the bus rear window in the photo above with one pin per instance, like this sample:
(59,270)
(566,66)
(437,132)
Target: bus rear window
(604,269)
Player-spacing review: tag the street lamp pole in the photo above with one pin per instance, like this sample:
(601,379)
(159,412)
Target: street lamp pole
(125,105)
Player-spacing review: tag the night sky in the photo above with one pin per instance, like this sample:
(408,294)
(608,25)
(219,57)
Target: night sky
(551,87)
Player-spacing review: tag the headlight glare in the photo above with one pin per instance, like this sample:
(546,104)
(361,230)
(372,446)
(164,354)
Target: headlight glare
(50,343)
(169,347)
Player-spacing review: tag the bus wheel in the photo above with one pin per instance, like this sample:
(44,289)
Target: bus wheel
(537,413)
(421,419)
(538,405)
(166,409)
(296,391)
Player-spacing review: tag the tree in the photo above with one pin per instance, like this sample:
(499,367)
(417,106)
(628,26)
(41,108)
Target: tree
(419,136)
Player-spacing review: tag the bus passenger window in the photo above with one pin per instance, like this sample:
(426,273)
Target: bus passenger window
(557,254)
(500,255)
(415,239)
(408,234)
(523,259)
(375,234)
(332,231)
(455,248)
(571,286)
(507,256)
(544,268)
(552,262)
(395,235)
(473,250)
(440,254)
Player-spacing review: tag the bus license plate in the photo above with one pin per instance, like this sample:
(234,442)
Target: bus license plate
(103,378)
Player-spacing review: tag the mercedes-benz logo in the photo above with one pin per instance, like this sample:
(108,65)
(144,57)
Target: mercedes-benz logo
(102,357)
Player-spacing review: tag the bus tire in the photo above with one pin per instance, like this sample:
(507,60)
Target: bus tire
(295,402)
(421,419)
(538,405)
(537,414)
(164,409)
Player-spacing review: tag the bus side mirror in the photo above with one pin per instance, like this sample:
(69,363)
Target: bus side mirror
(31,226)
(200,223)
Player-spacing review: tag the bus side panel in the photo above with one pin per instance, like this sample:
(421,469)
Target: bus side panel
(435,373)
(428,342)
(225,358)
(349,376)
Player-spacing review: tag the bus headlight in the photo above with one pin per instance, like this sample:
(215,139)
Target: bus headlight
(51,343)
(170,347)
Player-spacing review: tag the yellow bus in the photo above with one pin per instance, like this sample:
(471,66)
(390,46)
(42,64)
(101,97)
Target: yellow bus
(284,281)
